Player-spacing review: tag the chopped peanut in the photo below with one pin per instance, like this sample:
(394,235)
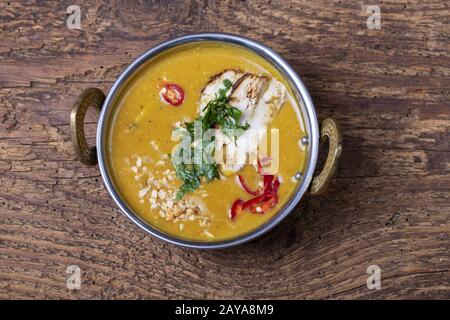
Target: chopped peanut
(159,189)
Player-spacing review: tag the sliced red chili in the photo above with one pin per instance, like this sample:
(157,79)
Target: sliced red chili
(270,203)
(236,208)
(246,188)
(259,166)
(261,204)
(275,185)
(271,184)
(253,201)
(265,198)
(267,182)
(173,94)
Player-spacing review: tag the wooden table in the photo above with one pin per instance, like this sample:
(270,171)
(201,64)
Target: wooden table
(388,206)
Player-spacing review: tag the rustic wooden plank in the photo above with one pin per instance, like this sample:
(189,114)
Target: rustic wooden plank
(389,204)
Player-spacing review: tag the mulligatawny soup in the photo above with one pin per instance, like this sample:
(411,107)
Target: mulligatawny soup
(169,181)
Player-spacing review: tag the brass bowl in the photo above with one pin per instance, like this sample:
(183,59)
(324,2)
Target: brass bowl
(93,155)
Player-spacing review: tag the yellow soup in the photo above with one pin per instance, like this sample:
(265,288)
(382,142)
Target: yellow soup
(140,145)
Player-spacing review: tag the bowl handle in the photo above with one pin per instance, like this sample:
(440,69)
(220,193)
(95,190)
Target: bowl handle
(329,130)
(89,97)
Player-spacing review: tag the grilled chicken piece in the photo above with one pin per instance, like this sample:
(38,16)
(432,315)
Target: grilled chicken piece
(246,93)
(272,100)
(259,114)
(215,84)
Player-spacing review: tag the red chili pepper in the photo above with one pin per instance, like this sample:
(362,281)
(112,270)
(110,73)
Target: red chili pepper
(270,203)
(236,208)
(254,202)
(259,166)
(173,94)
(267,182)
(246,188)
(264,202)
(271,184)
(265,198)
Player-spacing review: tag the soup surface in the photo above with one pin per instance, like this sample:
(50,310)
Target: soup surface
(141,145)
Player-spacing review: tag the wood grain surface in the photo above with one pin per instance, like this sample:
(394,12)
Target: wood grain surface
(388,206)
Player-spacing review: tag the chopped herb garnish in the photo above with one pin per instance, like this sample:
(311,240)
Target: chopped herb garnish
(218,112)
